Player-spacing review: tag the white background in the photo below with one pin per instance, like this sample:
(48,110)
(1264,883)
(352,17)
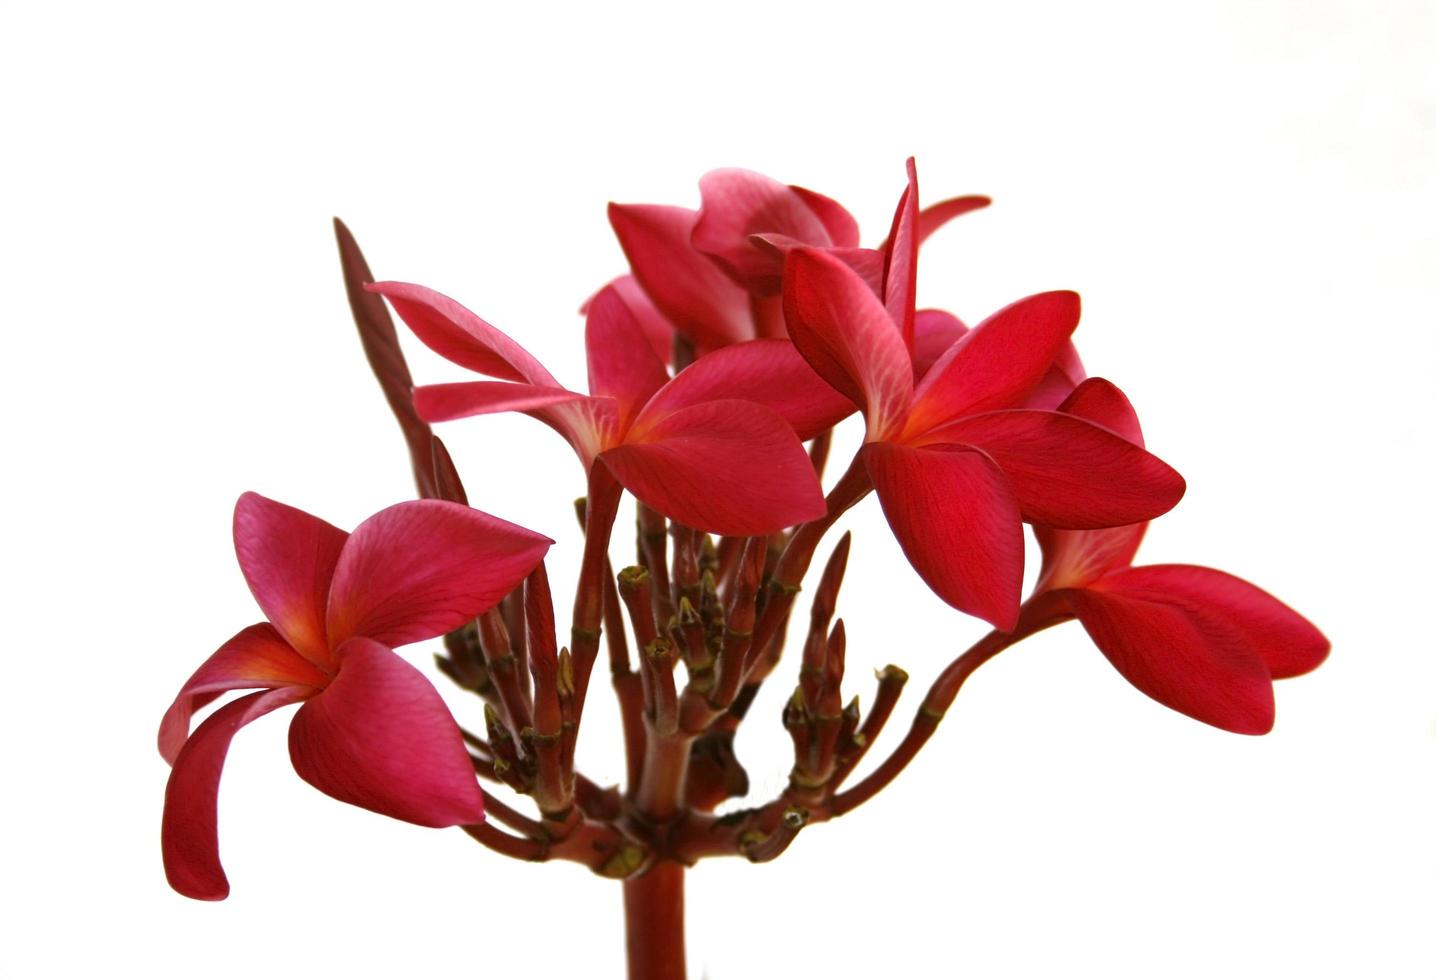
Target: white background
(1243,193)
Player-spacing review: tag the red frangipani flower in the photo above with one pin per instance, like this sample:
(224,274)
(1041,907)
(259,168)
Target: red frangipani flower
(372,731)
(957,465)
(714,448)
(1195,639)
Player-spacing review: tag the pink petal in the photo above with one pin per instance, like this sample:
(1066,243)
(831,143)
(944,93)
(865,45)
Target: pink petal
(726,467)
(621,364)
(998,363)
(1066,471)
(934,216)
(769,372)
(934,333)
(288,559)
(700,301)
(189,834)
(900,269)
(421,568)
(462,399)
(843,331)
(455,333)
(655,325)
(381,738)
(256,656)
(1284,640)
(1189,662)
(958,523)
(740,203)
(866,262)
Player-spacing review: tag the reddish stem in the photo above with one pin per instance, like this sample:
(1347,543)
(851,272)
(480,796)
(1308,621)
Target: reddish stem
(653,923)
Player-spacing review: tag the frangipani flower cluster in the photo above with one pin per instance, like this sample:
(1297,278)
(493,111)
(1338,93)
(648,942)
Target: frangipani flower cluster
(742,331)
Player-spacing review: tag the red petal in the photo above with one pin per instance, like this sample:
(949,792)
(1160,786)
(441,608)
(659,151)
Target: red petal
(621,364)
(288,559)
(769,372)
(380,737)
(462,399)
(1099,400)
(256,656)
(1065,374)
(998,362)
(958,523)
(841,226)
(866,262)
(1285,641)
(1192,663)
(900,269)
(844,332)
(462,336)
(934,333)
(726,467)
(1067,472)
(421,568)
(702,303)
(655,325)
(740,203)
(189,834)
(934,216)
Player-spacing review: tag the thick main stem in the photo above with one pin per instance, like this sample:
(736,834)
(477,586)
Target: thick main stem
(653,923)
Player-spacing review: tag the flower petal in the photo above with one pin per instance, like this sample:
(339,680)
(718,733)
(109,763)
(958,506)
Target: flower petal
(288,558)
(1099,400)
(934,333)
(621,364)
(189,834)
(953,513)
(455,333)
(769,372)
(1285,640)
(900,267)
(421,568)
(694,294)
(739,203)
(655,325)
(934,216)
(726,467)
(1192,663)
(998,363)
(1067,472)
(380,737)
(843,331)
(256,656)
(841,226)
(462,399)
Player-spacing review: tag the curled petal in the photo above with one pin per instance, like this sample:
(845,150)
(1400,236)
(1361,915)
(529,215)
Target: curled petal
(695,295)
(1065,374)
(769,372)
(380,737)
(954,514)
(189,834)
(1067,472)
(866,262)
(1190,662)
(997,363)
(288,559)
(1284,640)
(421,568)
(1099,400)
(739,203)
(621,364)
(841,226)
(934,333)
(726,467)
(934,216)
(841,329)
(256,656)
(900,267)
(455,333)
